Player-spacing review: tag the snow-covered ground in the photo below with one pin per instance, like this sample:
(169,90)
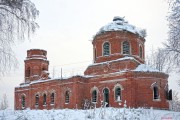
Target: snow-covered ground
(91,114)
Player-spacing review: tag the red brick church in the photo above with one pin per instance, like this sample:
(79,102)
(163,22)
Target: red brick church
(118,74)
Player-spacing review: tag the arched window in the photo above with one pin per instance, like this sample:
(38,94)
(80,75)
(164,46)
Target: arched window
(106,48)
(94,96)
(37,100)
(95,54)
(155,93)
(140,52)
(118,94)
(44,99)
(28,72)
(67,97)
(106,97)
(52,98)
(43,68)
(126,47)
(23,102)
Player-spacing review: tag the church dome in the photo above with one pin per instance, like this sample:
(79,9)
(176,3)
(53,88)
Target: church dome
(120,24)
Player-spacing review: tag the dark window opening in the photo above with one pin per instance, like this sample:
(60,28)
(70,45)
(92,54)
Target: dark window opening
(44,99)
(106,49)
(67,97)
(126,48)
(37,100)
(156,93)
(95,54)
(52,98)
(23,102)
(94,96)
(43,69)
(170,95)
(106,97)
(140,52)
(118,94)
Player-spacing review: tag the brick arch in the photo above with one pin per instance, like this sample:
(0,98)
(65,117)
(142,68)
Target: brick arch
(52,91)
(37,93)
(67,89)
(105,88)
(23,94)
(94,88)
(155,84)
(118,85)
(44,92)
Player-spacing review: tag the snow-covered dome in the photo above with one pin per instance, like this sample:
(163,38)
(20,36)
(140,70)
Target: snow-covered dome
(119,24)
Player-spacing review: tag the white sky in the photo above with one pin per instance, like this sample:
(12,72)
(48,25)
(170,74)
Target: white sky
(67,26)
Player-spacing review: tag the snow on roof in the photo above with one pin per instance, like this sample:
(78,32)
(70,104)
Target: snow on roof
(53,79)
(119,24)
(120,59)
(145,68)
(36,58)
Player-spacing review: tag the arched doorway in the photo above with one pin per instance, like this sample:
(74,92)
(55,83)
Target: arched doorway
(106,97)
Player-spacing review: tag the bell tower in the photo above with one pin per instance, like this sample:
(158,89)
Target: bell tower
(36,65)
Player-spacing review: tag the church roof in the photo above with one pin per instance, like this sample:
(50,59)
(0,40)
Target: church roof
(119,24)
(146,68)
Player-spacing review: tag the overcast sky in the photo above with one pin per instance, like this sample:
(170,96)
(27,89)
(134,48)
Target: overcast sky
(67,27)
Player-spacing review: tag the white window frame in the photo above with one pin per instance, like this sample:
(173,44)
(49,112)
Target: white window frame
(114,89)
(109,48)
(97,91)
(67,100)
(122,48)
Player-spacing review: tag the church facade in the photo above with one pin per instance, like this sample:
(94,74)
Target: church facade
(118,75)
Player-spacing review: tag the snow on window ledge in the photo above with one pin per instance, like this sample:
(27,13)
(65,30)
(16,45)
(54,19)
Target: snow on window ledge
(94,102)
(44,105)
(52,104)
(118,101)
(157,100)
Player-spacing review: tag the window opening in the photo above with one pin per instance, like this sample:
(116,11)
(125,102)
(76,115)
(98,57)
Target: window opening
(106,97)
(67,97)
(52,98)
(126,47)
(106,49)
(23,102)
(118,94)
(156,93)
(37,100)
(94,96)
(140,52)
(44,99)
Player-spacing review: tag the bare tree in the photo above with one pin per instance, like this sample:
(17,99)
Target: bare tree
(175,103)
(17,22)
(158,59)
(4,103)
(172,46)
